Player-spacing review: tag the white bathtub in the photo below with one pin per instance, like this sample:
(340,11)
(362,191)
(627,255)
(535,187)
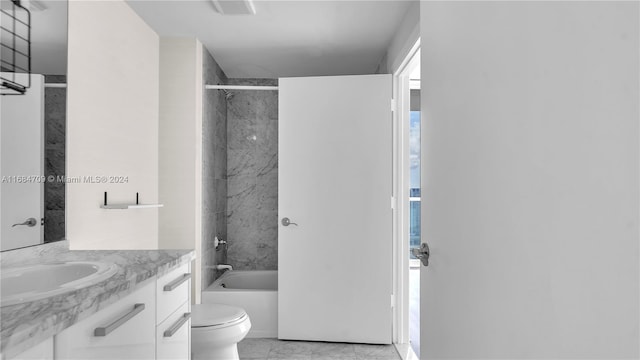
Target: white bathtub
(255,291)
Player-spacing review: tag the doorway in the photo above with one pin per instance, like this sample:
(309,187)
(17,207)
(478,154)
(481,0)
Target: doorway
(414,209)
(408,193)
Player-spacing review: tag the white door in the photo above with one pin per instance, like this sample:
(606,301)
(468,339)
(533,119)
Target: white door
(22,165)
(334,263)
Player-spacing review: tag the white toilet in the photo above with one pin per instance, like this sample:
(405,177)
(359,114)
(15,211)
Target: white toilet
(216,330)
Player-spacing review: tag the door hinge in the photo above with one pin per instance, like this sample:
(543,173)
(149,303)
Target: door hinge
(393,105)
(393,300)
(393,203)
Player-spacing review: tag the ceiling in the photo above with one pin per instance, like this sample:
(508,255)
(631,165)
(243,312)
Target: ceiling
(284,38)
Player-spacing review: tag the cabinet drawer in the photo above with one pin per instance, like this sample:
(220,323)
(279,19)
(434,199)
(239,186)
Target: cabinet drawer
(173,336)
(123,330)
(173,290)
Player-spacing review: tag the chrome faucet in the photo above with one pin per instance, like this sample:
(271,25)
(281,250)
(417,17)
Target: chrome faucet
(217,242)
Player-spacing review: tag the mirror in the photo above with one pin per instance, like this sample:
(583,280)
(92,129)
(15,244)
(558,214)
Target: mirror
(33,128)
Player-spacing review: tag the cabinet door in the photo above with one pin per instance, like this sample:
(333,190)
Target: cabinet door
(173,289)
(173,335)
(124,330)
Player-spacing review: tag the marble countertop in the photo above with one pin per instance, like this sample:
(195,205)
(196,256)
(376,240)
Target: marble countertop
(25,325)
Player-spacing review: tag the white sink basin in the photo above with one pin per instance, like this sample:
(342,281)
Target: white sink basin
(29,283)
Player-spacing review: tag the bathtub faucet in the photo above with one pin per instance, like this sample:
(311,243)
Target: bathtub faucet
(217,242)
(223,267)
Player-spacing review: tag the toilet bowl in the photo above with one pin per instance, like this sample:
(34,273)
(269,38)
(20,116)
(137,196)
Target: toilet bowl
(216,330)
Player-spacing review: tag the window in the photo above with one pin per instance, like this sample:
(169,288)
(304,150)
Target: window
(414,173)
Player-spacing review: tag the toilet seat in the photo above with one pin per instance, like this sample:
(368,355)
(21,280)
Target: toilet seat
(211,316)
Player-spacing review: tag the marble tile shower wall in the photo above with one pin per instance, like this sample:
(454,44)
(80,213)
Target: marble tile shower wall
(55,110)
(214,171)
(252,176)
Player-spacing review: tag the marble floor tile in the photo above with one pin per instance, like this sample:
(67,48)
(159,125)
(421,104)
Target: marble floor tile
(285,349)
(255,348)
(323,350)
(378,352)
(274,349)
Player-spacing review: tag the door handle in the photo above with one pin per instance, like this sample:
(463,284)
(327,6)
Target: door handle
(173,329)
(175,283)
(105,330)
(287,222)
(30,222)
(422,253)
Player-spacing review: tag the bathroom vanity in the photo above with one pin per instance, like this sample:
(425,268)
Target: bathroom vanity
(140,312)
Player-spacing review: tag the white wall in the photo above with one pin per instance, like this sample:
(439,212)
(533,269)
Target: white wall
(530,173)
(181,91)
(112,125)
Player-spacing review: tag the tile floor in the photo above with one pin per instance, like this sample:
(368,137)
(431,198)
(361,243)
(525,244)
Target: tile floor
(274,349)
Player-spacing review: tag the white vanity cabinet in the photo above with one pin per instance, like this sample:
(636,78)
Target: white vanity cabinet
(153,322)
(173,329)
(42,351)
(123,330)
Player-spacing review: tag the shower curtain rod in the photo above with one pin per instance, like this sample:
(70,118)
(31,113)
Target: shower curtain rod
(239,87)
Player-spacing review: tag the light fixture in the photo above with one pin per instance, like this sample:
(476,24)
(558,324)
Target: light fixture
(234,7)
